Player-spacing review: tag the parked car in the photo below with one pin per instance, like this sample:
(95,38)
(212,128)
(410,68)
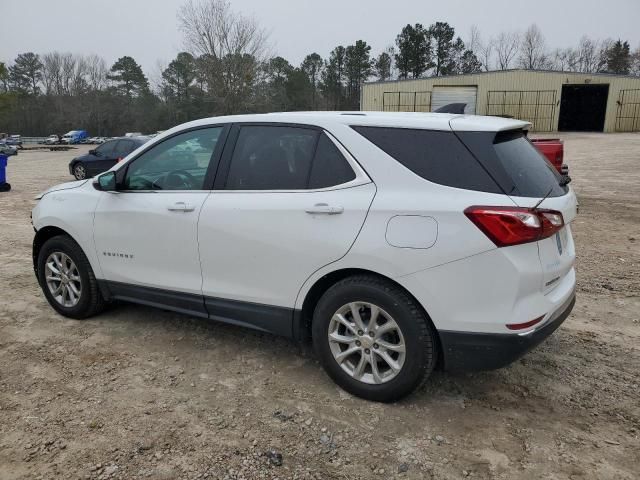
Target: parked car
(7,150)
(74,136)
(553,149)
(398,242)
(103,157)
(53,139)
(14,140)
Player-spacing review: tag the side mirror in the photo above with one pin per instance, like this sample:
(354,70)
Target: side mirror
(105,182)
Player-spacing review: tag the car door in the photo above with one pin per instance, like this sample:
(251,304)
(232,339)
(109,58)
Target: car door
(146,232)
(287,201)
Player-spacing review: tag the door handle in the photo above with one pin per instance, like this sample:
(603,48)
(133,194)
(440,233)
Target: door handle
(323,208)
(181,207)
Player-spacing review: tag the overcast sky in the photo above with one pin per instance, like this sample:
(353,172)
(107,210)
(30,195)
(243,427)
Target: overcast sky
(147,29)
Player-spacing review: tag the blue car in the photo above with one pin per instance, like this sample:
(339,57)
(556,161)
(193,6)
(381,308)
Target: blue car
(103,157)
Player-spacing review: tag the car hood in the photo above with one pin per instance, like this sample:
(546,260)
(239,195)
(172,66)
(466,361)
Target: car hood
(62,186)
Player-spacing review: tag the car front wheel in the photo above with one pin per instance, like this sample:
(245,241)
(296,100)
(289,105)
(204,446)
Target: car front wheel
(67,280)
(373,339)
(79,171)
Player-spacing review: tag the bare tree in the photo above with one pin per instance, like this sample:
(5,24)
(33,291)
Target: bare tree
(483,50)
(565,59)
(533,55)
(486,54)
(210,27)
(474,42)
(506,47)
(51,74)
(230,46)
(635,62)
(96,72)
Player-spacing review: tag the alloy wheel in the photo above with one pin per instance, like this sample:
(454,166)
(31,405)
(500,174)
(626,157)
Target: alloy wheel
(366,342)
(79,172)
(63,279)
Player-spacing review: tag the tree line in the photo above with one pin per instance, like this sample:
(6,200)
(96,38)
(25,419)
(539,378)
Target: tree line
(227,68)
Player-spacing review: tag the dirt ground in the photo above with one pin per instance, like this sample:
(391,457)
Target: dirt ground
(143,393)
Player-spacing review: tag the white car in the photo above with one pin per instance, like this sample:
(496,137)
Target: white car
(8,150)
(398,242)
(52,139)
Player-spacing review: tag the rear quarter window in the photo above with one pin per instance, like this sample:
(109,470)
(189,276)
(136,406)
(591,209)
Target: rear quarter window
(437,156)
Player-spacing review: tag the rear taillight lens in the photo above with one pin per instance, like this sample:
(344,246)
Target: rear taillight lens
(506,226)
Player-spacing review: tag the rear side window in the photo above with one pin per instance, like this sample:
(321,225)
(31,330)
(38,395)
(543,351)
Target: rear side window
(123,148)
(514,163)
(329,168)
(272,158)
(106,148)
(437,156)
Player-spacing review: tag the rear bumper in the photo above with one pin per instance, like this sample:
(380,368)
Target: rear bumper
(464,351)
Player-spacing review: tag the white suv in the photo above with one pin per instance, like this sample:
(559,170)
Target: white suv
(398,242)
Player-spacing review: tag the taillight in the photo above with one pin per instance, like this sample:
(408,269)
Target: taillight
(506,226)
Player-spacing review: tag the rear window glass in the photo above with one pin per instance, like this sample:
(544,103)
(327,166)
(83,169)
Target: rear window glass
(437,156)
(514,163)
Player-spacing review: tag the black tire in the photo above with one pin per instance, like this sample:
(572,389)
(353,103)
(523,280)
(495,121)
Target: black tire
(416,328)
(76,171)
(90,302)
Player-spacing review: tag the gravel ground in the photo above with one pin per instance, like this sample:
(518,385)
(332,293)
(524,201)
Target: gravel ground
(143,393)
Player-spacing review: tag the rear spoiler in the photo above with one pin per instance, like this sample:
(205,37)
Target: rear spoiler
(473,123)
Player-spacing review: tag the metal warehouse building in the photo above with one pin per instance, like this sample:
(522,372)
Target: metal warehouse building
(550,100)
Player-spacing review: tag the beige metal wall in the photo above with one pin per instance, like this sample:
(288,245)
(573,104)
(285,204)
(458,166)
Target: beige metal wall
(516,80)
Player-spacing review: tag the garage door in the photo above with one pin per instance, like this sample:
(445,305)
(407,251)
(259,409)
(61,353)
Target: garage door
(442,96)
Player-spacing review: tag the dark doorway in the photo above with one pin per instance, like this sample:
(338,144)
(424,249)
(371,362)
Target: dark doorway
(583,107)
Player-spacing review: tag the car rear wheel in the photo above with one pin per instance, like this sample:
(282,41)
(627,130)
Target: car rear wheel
(79,171)
(67,279)
(373,339)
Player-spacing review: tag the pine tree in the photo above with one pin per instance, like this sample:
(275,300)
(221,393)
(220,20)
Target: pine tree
(382,66)
(128,77)
(446,50)
(618,58)
(25,74)
(414,51)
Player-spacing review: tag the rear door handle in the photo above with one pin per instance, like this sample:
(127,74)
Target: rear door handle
(324,209)
(181,207)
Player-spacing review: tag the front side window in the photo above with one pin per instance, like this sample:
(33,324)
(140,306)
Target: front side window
(178,163)
(272,158)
